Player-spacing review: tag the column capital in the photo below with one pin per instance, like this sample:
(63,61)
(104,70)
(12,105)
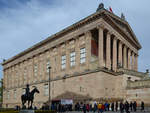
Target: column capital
(100,26)
(125,47)
(115,38)
(120,42)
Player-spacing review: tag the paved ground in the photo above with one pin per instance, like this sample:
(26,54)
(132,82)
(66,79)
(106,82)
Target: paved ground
(109,112)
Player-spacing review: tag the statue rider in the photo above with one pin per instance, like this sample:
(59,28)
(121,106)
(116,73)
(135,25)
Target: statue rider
(27,89)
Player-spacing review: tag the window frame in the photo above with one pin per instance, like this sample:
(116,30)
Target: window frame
(72,58)
(82,55)
(63,62)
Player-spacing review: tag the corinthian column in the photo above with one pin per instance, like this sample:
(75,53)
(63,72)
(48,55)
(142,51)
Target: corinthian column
(129,59)
(125,57)
(120,53)
(136,62)
(114,54)
(108,61)
(100,47)
(132,60)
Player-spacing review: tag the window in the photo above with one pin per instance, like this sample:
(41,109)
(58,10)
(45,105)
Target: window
(63,61)
(46,90)
(15,94)
(35,70)
(82,55)
(72,59)
(47,66)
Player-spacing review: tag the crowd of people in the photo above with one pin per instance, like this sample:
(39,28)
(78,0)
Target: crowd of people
(114,106)
(100,107)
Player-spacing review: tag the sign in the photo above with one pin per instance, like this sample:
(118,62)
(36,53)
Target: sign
(66,101)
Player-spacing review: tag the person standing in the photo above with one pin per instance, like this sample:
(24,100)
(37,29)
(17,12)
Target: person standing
(99,106)
(134,106)
(116,106)
(95,108)
(127,107)
(142,106)
(84,108)
(121,107)
(131,106)
(112,106)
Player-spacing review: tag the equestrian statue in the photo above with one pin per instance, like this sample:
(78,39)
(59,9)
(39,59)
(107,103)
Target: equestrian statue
(28,96)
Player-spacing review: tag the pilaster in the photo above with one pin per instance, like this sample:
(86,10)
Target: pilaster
(88,37)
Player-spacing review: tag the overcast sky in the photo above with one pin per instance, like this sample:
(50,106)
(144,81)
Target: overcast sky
(24,23)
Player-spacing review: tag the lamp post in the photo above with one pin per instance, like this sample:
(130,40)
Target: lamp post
(49,99)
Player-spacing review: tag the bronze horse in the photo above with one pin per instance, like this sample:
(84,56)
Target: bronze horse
(30,98)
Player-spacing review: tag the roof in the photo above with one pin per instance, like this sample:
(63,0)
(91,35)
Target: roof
(82,22)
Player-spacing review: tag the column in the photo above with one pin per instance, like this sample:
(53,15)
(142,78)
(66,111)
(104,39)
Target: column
(136,62)
(108,60)
(120,53)
(125,57)
(114,54)
(132,60)
(88,37)
(129,59)
(100,47)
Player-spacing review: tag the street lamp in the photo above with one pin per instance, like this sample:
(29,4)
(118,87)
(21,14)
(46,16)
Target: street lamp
(49,99)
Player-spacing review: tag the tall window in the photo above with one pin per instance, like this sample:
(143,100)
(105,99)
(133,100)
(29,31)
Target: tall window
(46,90)
(82,55)
(72,58)
(63,61)
(15,94)
(35,70)
(47,66)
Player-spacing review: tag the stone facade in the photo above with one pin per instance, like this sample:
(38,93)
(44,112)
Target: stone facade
(85,59)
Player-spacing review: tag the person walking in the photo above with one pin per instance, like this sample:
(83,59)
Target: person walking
(142,106)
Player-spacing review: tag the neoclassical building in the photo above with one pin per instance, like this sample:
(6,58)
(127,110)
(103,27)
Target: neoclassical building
(93,59)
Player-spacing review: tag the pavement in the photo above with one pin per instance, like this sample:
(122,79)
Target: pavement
(107,112)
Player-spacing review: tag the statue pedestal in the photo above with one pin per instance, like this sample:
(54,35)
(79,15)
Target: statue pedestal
(26,111)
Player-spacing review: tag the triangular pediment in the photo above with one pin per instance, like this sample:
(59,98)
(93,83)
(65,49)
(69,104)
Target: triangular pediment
(124,26)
